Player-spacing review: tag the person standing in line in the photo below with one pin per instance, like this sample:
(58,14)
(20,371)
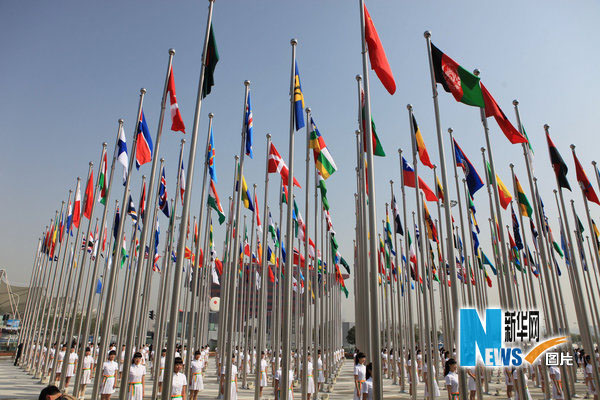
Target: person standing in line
(73,359)
(555,378)
(179,381)
(589,377)
(426,371)
(360,373)
(320,374)
(310,388)
(508,380)
(60,360)
(233,377)
(109,372)
(137,378)
(197,383)
(451,378)
(88,363)
(367,388)
(263,372)
(163,355)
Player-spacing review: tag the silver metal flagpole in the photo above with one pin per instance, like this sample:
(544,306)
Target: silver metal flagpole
(448,217)
(411,329)
(131,329)
(92,283)
(172,332)
(372,218)
(307,286)
(114,272)
(287,296)
(30,292)
(262,306)
(75,299)
(234,261)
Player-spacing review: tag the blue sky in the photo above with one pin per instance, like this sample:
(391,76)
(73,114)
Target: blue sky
(71,69)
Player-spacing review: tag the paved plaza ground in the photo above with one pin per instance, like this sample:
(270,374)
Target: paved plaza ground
(16,384)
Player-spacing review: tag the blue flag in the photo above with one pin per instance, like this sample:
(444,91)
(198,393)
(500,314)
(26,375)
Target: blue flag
(210,157)
(474,181)
(248,127)
(298,100)
(163,201)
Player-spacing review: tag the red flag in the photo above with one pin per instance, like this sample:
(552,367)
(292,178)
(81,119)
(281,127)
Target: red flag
(409,180)
(493,110)
(77,206)
(276,164)
(89,196)
(379,62)
(177,121)
(586,186)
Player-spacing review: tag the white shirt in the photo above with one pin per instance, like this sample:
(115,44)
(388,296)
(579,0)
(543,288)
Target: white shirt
(136,372)
(87,362)
(109,368)
(367,388)
(452,381)
(179,381)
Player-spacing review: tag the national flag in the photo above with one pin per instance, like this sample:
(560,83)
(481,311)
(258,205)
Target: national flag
(377,147)
(214,202)
(298,100)
(487,261)
(248,126)
(493,110)
(273,231)
(210,157)
(61,227)
(276,164)
(89,196)
(515,226)
(176,120)
(524,206)
(397,220)
(409,180)
(156,239)
(474,230)
(377,57)
(388,233)
(143,153)
(284,194)
(69,222)
(323,190)
(116,223)
(463,85)
(131,209)
(181,181)
(246,199)
(102,184)
(560,168)
(503,193)
(122,156)
(212,58)
(323,160)
(257,213)
(163,200)
(439,189)
(431,229)
(474,181)
(142,206)
(421,149)
(583,180)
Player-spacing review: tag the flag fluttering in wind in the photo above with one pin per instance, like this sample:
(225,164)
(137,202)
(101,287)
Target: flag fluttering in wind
(377,147)
(246,199)
(131,210)
(463,85)
(102,184)
(212,58)
(142,206)
(421,149)
(524,206)
(377,57)
(210,157)
(583,180)
(298,100)
(143,153)
(181,181)
(323,190)
(493,110)
(76,216)
(560,168)
(503,193)
(323,159)
(248,127)
(122,156)
(163,201)
(409,180)
(89,196)
(214,202)
(276,164)
(176,120)
(397,220)
(474,182)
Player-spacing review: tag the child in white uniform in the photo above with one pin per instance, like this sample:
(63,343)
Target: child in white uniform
(263,372)
(73,357)
(109,370)
(367,387)
(197,382)
(163,355)
(557,393)
(179,382)
(60,360)
(360,373)
(310,387)
(137,376)
(88,362)
(451,379)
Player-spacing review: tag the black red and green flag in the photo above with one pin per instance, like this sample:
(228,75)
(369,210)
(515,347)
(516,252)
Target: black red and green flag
(463,85)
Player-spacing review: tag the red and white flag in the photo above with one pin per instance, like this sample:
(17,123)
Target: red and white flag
(276,164)
(177,121)
(77,206)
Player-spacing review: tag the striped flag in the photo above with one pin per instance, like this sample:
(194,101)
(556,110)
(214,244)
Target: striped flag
(323,160)
(163,201)
(177,121)
(143,153)
(122,156)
